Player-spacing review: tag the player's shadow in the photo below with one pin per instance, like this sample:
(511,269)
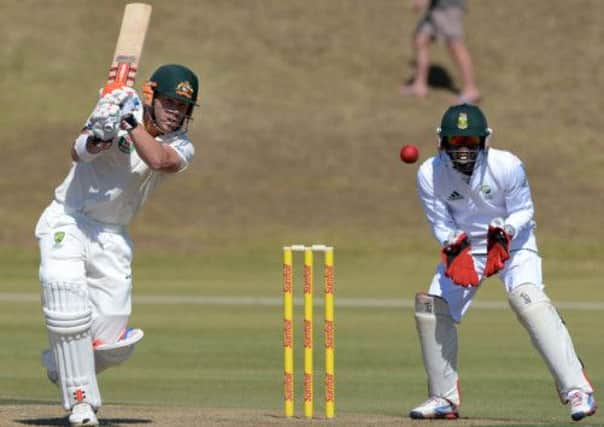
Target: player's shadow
(63,421)
(439,78)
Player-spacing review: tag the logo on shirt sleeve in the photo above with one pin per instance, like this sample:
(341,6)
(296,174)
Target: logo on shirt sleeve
(58,237)
(125,145)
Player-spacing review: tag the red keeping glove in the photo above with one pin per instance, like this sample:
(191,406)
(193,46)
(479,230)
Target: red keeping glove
(498,247)
(459,265)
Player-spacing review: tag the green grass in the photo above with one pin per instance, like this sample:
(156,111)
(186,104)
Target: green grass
(231,356)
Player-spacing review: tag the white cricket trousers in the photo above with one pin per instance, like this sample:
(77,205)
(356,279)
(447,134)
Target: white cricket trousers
(524,266)
(75,249)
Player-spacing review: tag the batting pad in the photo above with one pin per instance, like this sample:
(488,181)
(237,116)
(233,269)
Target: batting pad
(550,336)
(107,355)
(68,319)
(438,339)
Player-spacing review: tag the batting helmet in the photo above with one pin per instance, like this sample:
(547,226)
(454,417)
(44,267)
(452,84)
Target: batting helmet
(172,80)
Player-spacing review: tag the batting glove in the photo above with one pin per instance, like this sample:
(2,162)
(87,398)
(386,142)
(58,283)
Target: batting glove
(458,261)
(104,121)
(127,99)
(498,246)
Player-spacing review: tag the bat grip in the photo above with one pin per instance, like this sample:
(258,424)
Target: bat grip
(120,80)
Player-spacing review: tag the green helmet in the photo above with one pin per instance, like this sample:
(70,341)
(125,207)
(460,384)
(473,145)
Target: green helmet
(464,120)
(176,81)
(463,136)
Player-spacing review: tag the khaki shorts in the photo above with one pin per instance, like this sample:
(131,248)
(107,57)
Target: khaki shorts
(444,24)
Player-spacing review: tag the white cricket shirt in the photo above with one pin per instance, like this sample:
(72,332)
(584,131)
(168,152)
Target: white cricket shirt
(497,188)
(112,187)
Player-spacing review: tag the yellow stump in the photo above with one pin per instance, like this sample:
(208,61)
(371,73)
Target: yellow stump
(308,336)
(288,329)
(330,385)
(288,333)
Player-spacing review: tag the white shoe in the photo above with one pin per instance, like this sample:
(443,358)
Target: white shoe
(82,414)
(582,404)
(127,339)
(48,361)
(435,407)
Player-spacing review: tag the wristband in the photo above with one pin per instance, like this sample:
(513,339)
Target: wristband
(130,121)
(80,148)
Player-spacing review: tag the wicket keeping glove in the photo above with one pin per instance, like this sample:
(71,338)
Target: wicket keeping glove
(498,247)
(105,118)
(458,261)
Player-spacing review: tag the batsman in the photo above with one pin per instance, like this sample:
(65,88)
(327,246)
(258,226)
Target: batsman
(126,148)
(478,202)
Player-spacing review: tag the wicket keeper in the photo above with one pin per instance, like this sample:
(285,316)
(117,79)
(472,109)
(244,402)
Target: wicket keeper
(478,202)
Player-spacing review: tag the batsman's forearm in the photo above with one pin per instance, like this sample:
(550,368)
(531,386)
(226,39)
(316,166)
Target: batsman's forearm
(85,148)
(147,147)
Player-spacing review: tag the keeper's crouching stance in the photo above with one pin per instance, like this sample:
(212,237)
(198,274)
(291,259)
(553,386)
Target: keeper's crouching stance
(479,205)
(125,150)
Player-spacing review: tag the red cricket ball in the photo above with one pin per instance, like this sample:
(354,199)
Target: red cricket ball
(409,153)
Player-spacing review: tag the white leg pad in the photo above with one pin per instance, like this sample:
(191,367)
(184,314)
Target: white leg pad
(438,339)
(107,355)
(550,337)
(68,319)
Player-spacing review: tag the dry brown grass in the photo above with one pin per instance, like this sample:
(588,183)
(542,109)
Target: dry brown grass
(301,121)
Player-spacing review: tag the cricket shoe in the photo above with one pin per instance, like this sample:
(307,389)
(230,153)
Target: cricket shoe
(82,414)
(582,404)
(435,408)
(48,361)
(131,335)
(128,337)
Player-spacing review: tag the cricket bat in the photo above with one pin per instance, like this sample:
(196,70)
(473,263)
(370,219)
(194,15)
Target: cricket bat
(129,46)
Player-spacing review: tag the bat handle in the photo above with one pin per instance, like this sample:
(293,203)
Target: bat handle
(121,78)
(110,87)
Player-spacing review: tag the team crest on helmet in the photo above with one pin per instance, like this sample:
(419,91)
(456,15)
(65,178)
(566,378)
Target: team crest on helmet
(185,89)
(462,121)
